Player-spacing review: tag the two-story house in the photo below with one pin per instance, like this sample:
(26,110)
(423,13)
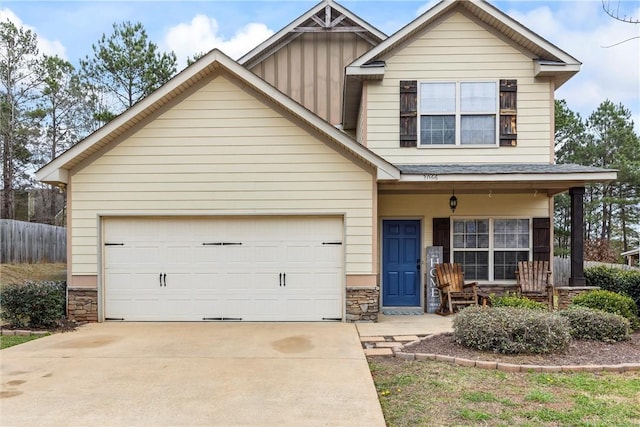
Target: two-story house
(307,180)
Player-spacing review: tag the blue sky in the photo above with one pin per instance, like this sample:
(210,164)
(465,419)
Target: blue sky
(581,28)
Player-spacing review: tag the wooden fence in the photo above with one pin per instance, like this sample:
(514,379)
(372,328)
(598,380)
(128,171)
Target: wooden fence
(562,269)
(30,242)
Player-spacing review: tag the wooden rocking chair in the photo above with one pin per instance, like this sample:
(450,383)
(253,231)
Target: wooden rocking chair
(453,291)
(534,281)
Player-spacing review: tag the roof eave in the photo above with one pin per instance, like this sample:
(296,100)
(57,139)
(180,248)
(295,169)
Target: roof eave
(442,8)
(62,162)
(57,170)
(560,72)
(259,52)
(585,177)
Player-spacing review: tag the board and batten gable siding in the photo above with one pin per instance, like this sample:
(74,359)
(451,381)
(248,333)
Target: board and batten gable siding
(459,49)
(222,151)
(310,70)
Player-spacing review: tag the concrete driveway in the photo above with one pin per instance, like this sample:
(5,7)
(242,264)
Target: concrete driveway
(187,374)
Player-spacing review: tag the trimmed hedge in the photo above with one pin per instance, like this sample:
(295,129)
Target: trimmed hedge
(611,302)
(595,325)
(511,330)
(39,305)
(616,280)
(513,300)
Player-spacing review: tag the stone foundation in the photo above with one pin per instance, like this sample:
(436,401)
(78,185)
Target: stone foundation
(363,304)
(565,294)
(82,305)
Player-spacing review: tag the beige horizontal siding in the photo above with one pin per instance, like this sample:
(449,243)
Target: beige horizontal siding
(456,49)
(207,158)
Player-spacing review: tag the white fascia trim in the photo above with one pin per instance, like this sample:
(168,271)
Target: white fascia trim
(552,69)
(281,34)
(57,176)
(215,56)
(385,169)
(516,177)
(403,32)
(365,71)
(519,28)
(481,4)
(301,19)
(167,88)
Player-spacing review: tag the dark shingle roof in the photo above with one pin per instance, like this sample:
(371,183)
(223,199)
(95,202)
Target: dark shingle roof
(497,169)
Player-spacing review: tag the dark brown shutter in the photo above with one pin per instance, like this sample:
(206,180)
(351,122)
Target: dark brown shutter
(441,236)
(508,113)
(541,239)
(408,113)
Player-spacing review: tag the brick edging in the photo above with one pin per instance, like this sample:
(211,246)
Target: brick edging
(511,367)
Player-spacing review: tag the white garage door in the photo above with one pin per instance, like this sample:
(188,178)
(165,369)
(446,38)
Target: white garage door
(254,269)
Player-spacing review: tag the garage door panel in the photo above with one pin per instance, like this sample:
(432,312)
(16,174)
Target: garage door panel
(224,268)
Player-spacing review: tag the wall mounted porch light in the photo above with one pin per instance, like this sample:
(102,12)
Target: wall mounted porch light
(453,201)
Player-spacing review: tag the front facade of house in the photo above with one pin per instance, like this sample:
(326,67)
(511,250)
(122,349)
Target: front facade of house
(271,190)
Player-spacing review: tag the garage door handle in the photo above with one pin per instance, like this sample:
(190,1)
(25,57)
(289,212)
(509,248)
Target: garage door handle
(160,279)
(164,277)
(284,279)
(280,279)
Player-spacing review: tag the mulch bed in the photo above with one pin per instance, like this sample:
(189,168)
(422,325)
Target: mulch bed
(579,352)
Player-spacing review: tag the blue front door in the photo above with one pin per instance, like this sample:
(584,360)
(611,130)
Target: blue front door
(400,263)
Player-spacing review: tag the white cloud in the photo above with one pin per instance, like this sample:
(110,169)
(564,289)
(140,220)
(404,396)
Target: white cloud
(45,46)
(201,35)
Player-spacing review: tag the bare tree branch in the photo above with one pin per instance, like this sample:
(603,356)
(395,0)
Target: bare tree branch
(617,13)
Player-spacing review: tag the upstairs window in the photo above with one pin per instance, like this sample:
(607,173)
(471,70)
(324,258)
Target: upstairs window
(458,113)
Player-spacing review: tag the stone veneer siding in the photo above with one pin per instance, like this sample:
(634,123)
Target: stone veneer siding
(363,304)
(566,294)
(82,305)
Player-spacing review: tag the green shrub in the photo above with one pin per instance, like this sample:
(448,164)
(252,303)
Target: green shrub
(596,325)
(511,330)
(616,280)
(513,300)
(611,302)
(33,304)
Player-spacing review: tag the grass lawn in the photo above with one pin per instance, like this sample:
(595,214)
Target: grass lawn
(429,393)
(11,340)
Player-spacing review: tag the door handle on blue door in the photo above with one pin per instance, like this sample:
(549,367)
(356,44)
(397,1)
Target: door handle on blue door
(418,264)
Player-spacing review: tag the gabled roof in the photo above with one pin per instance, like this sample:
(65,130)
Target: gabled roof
(549,60)
(543,51)
(334,18)
(57,171)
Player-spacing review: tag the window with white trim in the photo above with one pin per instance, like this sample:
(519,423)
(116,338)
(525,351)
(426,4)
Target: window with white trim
(489,249)
(458,113)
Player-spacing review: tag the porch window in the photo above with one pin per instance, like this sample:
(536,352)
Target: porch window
(489,249)
(458,113)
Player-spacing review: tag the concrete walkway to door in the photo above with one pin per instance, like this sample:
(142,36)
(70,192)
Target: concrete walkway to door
(187,374)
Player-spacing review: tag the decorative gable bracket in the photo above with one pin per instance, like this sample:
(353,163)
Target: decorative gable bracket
(329,19)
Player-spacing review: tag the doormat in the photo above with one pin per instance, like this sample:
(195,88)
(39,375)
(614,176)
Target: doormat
(403,312)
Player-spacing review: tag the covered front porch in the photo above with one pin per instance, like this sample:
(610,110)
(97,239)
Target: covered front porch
(485,217)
